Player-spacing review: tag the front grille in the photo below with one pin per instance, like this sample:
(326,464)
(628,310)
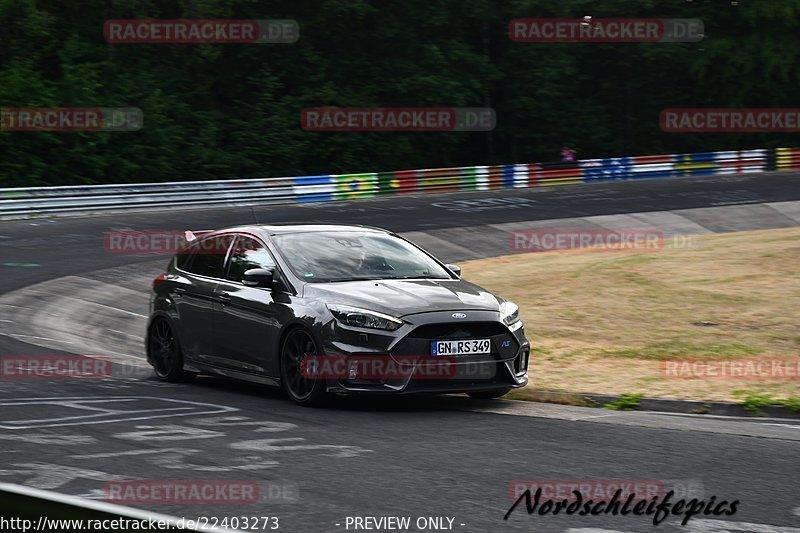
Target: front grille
(418,341)
(458,331)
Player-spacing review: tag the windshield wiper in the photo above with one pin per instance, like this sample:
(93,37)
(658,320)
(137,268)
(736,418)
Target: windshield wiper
(417,277)
(383,278)
(337,280)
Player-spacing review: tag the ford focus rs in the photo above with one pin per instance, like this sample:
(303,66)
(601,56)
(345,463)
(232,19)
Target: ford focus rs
(321,310)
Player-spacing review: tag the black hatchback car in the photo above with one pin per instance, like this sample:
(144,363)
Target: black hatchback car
(321,309)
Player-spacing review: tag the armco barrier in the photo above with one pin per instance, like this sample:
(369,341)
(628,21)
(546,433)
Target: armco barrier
(43,509)
(36,201)
(787,158)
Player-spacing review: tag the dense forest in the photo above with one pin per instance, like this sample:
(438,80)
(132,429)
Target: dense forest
(233,110)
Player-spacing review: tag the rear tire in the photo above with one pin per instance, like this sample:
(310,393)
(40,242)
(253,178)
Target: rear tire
(303,391)
(165,353)
(488,394)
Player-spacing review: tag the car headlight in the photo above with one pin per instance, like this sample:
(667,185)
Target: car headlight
(363,318)
(509,312)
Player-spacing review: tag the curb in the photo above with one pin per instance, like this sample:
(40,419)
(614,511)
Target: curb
(654,404)
(38,506)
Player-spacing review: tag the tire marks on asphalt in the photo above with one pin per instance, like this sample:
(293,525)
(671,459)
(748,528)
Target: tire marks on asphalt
(80,315)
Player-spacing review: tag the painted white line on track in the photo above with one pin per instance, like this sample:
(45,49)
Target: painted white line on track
(133,453)
(52,476)
(727,425)
(111,414)
(125,333)
(168,432)
(274,445)
(724,526)
(96,415)
(594,530)
(15,335)
(50,439)
(116,309)
(706,526)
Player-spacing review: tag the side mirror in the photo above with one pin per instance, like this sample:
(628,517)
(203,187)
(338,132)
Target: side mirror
(259,277)
(455,269)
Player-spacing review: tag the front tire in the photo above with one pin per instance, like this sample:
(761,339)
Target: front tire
(488,394)
(165,353)
(303,391)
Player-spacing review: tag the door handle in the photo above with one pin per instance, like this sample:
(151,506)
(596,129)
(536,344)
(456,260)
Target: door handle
(224,298)
(179,290)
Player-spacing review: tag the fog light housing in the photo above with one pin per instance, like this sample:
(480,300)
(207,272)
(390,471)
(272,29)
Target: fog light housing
(522,362)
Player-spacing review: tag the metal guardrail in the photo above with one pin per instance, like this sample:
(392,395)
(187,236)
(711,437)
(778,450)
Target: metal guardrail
(37,201)
(50,511)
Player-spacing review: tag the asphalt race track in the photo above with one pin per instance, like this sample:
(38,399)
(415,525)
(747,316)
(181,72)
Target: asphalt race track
(447,457)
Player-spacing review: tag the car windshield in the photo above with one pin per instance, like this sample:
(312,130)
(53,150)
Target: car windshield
(352,255)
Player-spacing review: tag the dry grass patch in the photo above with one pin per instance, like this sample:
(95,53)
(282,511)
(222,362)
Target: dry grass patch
(601,322)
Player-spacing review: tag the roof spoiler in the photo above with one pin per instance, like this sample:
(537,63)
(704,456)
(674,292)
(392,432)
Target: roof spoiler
(192,236)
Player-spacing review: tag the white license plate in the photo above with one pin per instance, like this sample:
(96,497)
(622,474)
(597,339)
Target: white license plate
(462,347)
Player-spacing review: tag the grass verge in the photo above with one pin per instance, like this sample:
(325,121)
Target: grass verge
(605,322)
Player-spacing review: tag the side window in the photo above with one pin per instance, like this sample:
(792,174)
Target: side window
(248,253)
(183,260)
(208,258)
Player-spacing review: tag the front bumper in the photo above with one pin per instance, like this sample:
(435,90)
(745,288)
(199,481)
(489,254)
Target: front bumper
(505,367)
